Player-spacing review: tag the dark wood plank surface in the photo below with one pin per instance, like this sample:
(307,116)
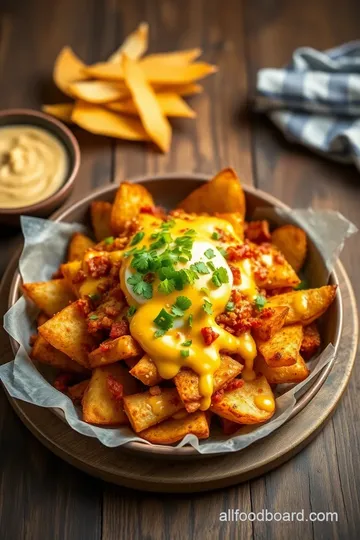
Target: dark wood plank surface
(40,496)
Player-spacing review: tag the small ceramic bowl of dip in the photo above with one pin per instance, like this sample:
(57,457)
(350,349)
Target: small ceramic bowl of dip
(39,161)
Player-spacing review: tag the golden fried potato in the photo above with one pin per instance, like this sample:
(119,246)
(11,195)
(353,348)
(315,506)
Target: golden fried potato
(77,391)
(253,403)
(146,371)
(67,332)
(304,306)
(282,349)
(79,244)
(292,243)
(285,374)
(279,272)
(272,324)
(114,350)
(145,410)
(129,199)
(311,341)
(100,212)
(237,221)
(103,400)
(50,296)
(187,382)
(45,353)
(222,194)
(173,430)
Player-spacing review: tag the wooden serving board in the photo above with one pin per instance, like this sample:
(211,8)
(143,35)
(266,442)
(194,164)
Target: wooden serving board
(203,473)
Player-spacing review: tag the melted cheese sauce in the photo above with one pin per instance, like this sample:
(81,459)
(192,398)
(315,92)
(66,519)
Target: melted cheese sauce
(165,351)
(301,303)
(265,402)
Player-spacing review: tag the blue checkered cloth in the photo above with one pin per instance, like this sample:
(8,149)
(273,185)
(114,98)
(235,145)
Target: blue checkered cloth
(315,100)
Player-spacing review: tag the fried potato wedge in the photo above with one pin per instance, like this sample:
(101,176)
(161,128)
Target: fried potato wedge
(45,353)
(67,332)
(98,92)
(62,111)
(113,350)
(292,243)
(153,119)
(68,68)
(102,402)
(187,382)
(134,46)
(253,403)
(279,273)
(304,306)
(145,410)
(222,194)
(285,374)
(100,212)
(237,221)
(171,105)
(311,341)
(272,324)
(129,199)
(77,391)
(50,296)
(146,371)
(173,430)
(282,349)
(79,244)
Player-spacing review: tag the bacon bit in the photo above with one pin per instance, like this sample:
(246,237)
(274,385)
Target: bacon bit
(120,328)
(99,266)
(63,381)
(209,335)
(117,294)
(32,339)
(240,252)
(105,345)
(266,313)
(279,258)
(258,231)
(155,390)
(260,272)
(231,385)
(83,306)
(149,277)
(79,277)
(236,274)
(58,274)
(115,388)
(104,286)
(111,311)
(147,210)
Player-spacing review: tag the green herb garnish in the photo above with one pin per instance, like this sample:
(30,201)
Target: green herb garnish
(207,307)
(190,320)
(200,267)
(159,333)
(109,240)
(94,297)
(220,276)
(209,253)
(137,238)
(164,320)
(215,235)
(302,285)
(187,343)
(131,311)
(139,286)
(260,301)
(93,317)
(230,306)
(222,251)
(184,353)
(166,286)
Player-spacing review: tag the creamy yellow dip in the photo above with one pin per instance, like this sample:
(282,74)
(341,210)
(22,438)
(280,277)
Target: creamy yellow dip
(33,165)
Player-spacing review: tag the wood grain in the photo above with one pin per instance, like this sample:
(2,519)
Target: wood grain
(241,37)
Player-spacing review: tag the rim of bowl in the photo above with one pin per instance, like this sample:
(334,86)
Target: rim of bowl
(29,113)
(188,451)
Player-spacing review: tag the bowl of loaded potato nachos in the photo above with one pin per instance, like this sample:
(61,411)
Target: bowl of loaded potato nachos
(178,313)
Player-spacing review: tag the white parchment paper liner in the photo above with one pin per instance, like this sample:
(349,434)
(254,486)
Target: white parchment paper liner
(45,244)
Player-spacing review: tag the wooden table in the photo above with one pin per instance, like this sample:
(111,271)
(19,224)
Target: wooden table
(42,497)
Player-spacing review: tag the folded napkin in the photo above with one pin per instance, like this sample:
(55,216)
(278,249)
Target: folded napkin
(315,100)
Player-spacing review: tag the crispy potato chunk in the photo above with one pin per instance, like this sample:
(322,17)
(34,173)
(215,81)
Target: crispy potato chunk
(292,243)
(100,212)
(45,353)
(237,221)
(103,399)
(67,332)
(145,410)
(222,194)
(304,306)
(187,382)
(129,199)
(282,349)
(146,371)
(279,272)
(271,325)
(114,350)
(50,296)
(79,244)
(77,391)
(245,405)
(285,374)
(173,430)
(311,341)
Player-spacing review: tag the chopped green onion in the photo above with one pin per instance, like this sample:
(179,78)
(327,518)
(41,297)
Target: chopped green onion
(209,253)
(184,352)
(93,317)
(215,235)
(137,238)
(164,320)
(187,343)
(230,306)
(159,333)
(260,301)
(109,240)
(220,276)
(207,307)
